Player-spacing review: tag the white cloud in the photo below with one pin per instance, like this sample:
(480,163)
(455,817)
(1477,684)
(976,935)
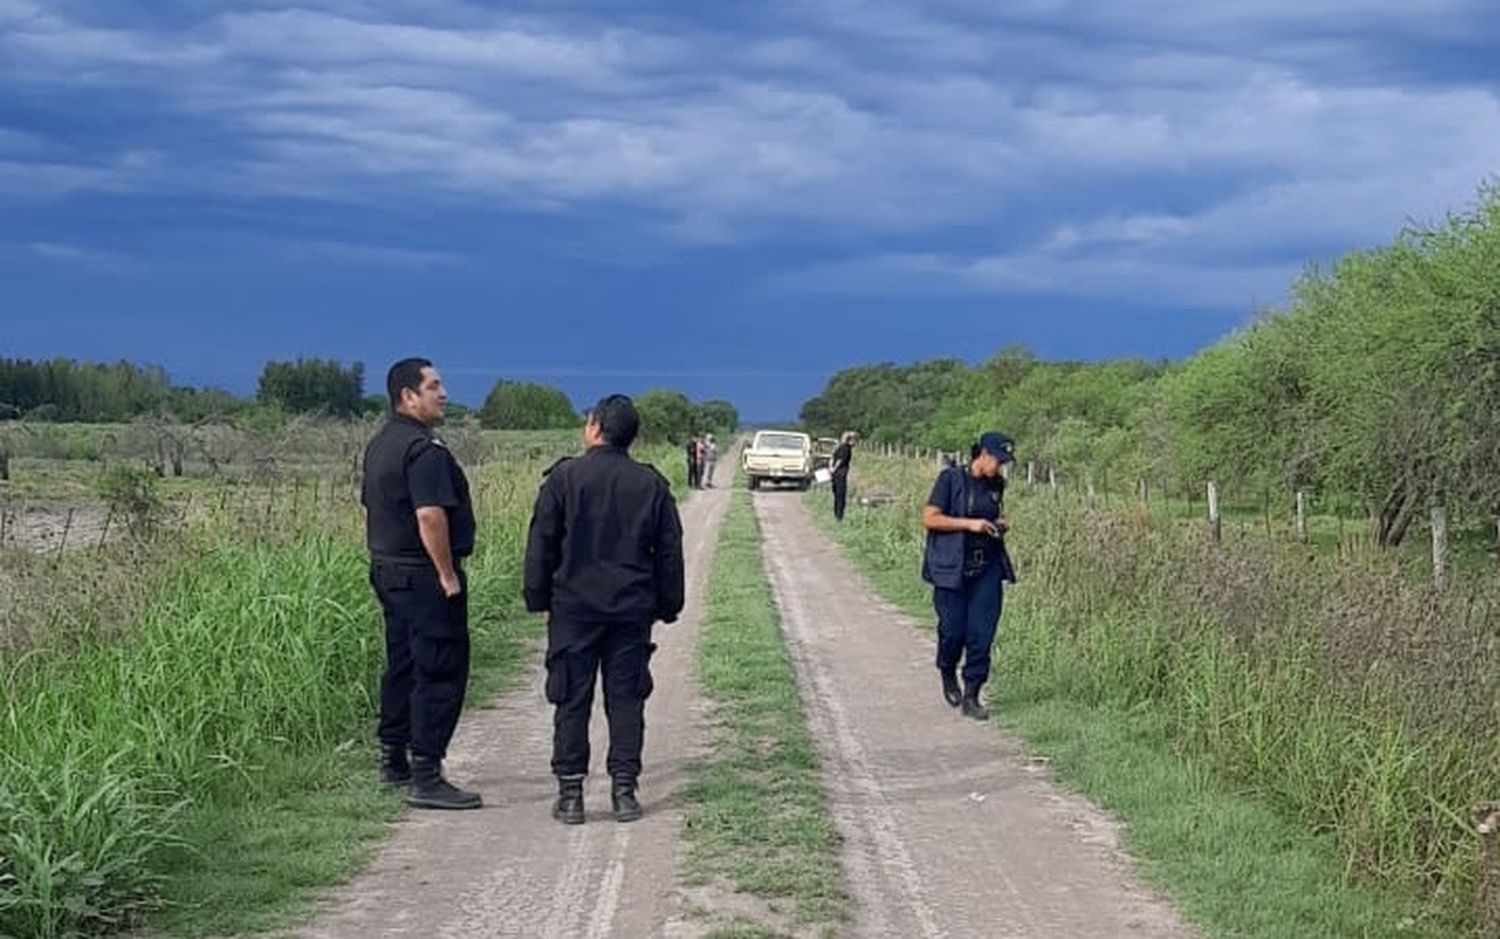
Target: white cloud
(310,38)
(1142,141)
(21,13)
(54,42)
(16,141)
(36,179)
(1237,288)
(357,253)
(94,259)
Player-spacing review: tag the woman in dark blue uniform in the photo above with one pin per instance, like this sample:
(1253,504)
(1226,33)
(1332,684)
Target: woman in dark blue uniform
(966,563)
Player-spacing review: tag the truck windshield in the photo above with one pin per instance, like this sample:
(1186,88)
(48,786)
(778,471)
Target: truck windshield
(780,442)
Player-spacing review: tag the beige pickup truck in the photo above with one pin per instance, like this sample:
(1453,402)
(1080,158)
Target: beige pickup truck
(780,456)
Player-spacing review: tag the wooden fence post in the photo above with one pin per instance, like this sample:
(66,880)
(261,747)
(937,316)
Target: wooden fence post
(1439,545)
(1215,525)
(1301,516)
(1145,490)
(1030,473)
(1487,825)
(67,529)
(1052,478)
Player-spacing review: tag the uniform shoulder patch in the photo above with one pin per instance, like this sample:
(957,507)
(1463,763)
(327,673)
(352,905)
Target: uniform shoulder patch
(555,464)
(418,444)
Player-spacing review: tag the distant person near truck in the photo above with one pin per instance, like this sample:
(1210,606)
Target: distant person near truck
(838,467)
(710,453)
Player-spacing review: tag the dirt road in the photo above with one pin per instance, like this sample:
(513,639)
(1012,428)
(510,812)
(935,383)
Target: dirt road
(948,831)
(509,869)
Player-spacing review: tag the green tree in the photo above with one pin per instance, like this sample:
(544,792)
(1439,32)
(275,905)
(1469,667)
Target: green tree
(886,402)
(513,405)
(719,416)
(665,415)
(66,390)
(1236,409)
(1005,369)
(313,385)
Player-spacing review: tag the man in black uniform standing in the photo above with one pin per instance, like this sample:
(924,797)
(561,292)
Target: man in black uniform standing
(603,563)
(838,466)
(419,527)
(694,462)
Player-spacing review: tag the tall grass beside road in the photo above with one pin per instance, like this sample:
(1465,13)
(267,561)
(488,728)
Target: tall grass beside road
(1294,739)
(206,766)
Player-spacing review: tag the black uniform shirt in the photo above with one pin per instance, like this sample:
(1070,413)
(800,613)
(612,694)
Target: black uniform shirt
(605,543)
(407,468)
(953,555)
(840,459)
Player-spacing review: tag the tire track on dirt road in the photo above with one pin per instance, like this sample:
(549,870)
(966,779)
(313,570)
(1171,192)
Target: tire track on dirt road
(510,869)
(947,831)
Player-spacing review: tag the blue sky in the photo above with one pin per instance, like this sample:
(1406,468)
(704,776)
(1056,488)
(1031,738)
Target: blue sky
(731,199)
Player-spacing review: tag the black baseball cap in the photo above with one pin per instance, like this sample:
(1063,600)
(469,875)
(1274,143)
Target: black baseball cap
(998,445)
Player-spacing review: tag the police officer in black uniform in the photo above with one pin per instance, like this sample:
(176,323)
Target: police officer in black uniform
(603,563)
(694,451)
(419,527)
(967,564)
(838,466)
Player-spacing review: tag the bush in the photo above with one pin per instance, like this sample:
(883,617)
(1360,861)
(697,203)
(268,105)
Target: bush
(514,405)
(131,492)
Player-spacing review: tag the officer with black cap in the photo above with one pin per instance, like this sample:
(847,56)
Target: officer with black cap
(603,563)
(419,527)
(966,562)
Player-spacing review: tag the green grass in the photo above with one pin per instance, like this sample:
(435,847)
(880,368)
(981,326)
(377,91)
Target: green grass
(758,820)
(209,767)
(259,863)
(200,760)
(1231,863)
(743,930)
(1230,800)
(1333,527)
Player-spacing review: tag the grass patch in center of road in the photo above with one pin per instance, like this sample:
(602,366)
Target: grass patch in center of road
(758,820)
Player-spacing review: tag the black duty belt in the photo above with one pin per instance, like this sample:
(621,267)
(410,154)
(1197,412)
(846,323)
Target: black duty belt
(406,560)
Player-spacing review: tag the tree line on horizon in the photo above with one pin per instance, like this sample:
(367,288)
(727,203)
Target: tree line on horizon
(1376,389)
(64,390)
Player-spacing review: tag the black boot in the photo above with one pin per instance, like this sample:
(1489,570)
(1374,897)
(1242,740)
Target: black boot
(429,790)
(394,768)
(622,796)
(951,692)
(971,706)
(568,808)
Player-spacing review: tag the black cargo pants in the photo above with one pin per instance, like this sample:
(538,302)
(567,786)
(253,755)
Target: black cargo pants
(426,656)
(576,653)
(840,494)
